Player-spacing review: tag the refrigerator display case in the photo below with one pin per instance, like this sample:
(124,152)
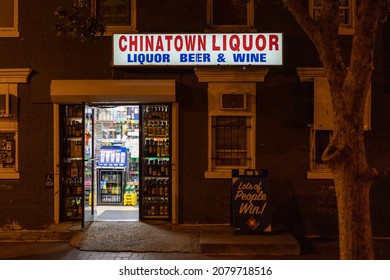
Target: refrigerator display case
(111,186)
(156,169)
(112,166)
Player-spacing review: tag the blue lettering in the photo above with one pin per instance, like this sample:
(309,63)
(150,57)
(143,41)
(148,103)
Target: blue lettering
(195,57)
(250,57)
(238,57)
(148,58)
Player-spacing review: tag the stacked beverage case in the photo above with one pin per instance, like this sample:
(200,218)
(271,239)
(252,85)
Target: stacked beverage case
(156,183)
(71,184)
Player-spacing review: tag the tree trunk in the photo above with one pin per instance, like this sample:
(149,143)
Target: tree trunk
(352,175)
(355,237)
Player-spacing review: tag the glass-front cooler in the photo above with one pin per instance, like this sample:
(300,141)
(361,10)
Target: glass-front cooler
(112,166)
(111,186)
(156,162)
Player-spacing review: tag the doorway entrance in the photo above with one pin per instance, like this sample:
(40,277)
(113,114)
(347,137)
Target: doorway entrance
(147,94)
(111,169)
(116,144)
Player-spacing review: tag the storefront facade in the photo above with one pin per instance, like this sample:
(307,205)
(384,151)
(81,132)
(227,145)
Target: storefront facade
(277,106)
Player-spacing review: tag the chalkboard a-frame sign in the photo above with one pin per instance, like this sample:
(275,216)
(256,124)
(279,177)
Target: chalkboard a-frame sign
(251,202)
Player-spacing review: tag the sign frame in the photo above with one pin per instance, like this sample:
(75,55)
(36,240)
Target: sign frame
(202,49)
(251,203)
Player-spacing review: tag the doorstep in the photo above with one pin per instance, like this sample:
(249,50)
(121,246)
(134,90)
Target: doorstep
(226,244)
(221,240)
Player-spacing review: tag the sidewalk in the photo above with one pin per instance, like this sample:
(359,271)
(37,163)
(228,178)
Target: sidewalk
(62,232)
(66,241)
(163,237)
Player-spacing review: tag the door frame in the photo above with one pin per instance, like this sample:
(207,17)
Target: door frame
(175,161)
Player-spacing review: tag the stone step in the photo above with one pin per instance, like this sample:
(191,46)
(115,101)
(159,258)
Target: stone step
(226,243)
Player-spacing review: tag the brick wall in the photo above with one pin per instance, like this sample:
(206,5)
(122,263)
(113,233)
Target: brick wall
(283,111)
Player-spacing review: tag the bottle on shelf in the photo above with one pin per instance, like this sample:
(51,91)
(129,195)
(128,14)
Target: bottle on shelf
(75,209)
(79,207)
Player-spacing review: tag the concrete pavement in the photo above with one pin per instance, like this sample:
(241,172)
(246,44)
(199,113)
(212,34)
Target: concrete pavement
(54,243)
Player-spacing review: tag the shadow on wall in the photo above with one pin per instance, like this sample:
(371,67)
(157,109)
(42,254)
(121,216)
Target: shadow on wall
(380,207)
(285,208)
(320,210)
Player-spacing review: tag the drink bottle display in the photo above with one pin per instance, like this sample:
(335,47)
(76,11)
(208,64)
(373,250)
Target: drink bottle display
(156,183)
(111,186)
(71,183)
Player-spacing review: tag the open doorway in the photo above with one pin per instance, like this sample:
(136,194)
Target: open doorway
(116,145)
(117,171)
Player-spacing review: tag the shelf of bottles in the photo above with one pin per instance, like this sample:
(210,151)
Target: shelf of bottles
(132,185)
(156,183)
(73,168)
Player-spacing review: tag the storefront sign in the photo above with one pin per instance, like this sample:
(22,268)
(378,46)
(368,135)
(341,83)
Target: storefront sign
(198,49)
(251,204)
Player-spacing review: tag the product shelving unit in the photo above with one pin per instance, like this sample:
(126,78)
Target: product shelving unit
(72,171)
(156,179)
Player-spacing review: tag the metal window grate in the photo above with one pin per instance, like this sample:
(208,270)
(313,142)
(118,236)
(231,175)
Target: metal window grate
(230,135)
(7,150)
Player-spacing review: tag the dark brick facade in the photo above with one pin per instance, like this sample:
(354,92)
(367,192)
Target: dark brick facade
(284,109)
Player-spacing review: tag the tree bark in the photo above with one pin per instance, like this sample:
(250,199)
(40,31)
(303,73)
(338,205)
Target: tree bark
(355,237)
(352,178)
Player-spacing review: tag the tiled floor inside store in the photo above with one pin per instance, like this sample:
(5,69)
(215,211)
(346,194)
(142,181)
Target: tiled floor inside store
(116,213)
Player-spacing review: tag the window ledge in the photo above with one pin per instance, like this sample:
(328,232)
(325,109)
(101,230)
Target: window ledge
(13,34)
(9,174)
(111,30)
(226,174)
(319,174)
(230,29)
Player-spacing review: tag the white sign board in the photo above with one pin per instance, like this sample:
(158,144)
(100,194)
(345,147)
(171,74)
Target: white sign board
(198,49)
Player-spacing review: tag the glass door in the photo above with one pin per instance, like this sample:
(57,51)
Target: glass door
(89,197)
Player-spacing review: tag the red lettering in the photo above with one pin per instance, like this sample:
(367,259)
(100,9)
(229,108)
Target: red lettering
(168,39)
(261,42)
(122,43)
(190,43)
(201,43)
(214,43)
(133,43)
(149,43)
(234,43)
(159,44)
(178,43)
(247,44)
(273,42)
